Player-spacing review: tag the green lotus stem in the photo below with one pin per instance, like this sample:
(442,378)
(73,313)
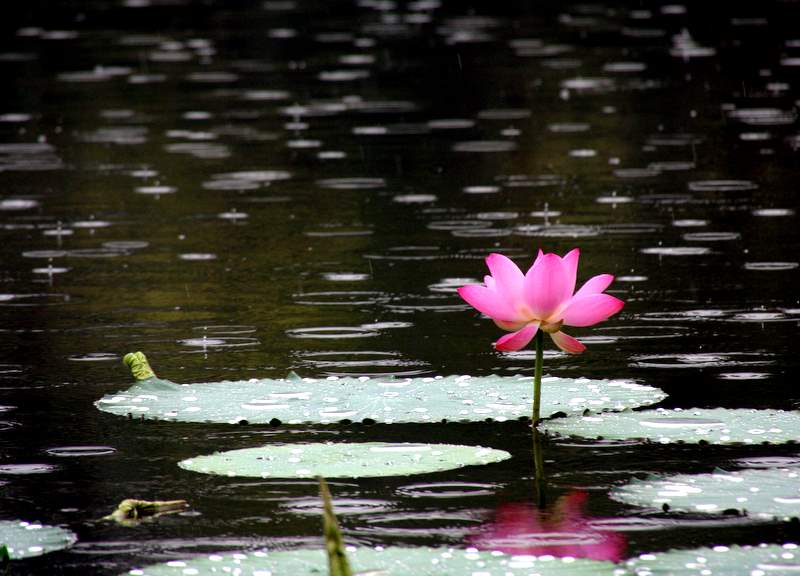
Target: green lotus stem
(538,469)
(5,557)
(140,367)
(537,379)
(538,451)
(338,565)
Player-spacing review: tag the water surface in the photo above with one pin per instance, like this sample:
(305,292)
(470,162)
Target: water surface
(245,189)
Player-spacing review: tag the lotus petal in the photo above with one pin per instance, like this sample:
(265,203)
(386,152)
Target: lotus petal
(507,276)
(591,309)
(517,340)
(567,343)
(546,286)
(594,285)
(489,302)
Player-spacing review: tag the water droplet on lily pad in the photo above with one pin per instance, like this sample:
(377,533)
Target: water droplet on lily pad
(761,560)
(689,423)
(714,426)
(27,539)
(396,561)
(767,493)
(384,400)
(342,460)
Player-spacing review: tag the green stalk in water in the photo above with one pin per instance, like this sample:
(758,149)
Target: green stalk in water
(538,469)
(338,565)
(537,378)
(538,450)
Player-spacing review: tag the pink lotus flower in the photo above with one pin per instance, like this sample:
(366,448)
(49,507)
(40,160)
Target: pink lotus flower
(541,299)
(563,531)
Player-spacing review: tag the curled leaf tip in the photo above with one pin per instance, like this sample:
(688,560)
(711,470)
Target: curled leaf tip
(139,366)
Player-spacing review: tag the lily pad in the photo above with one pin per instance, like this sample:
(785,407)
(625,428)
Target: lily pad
(385,400)
(338,460)
(761,560)
(714,426)
(27,539)
(393,560)
(763,494)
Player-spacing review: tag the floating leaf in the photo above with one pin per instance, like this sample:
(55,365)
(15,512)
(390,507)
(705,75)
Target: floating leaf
(715,426)
(765,493)
(392,561)
(27,539)
(386,400)
(761,560)
(342,460)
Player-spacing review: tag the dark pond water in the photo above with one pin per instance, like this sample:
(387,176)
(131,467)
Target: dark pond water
(304,184)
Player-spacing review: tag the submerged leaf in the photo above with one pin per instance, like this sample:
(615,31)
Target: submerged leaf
(761,560)
(27,539)
(351,460)
(392,560)
(131,511)
(696,425)
(386,400)
(761,494)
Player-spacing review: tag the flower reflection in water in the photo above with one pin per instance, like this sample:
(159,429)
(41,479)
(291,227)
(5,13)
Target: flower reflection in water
(561,531)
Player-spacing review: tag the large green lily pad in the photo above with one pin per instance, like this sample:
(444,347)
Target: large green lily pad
(763,494)
(714,426)
(27,539)
(761,560)
(337,460)
(385,400)
(394,561)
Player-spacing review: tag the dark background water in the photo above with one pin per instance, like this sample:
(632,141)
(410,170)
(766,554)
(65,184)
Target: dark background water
(390,147)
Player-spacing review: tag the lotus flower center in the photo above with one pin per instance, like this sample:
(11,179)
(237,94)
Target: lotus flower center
(551,327)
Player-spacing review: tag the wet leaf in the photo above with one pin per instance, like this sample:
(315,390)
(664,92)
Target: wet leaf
(696,425)
(395,561)
(760,493)
(26,539)
(774,559)
(297,400)
(342,460)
